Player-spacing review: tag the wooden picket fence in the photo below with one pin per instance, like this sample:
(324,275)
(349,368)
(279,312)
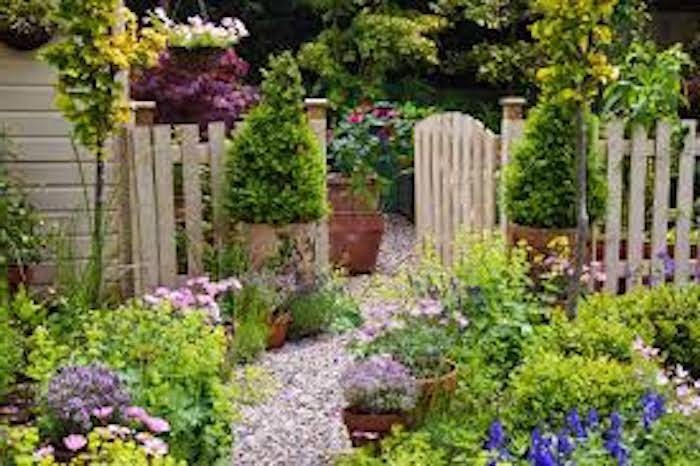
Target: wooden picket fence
(153,152)
(456,158)
(646,242)
(456,166)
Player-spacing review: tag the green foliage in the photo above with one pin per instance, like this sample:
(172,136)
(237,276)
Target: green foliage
(250,310)
(172,364)
(666,317)
(25,16)
(649,87)
(423,348)
(10,351)
(401,449)
(363,44)
(547,385)
(312,312)
(541,177)
(101,450)
(275,171)
(20,243)
(673,441)
(17,446)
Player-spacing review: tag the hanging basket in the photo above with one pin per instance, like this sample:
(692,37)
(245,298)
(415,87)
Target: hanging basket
(198,59)
(28,39)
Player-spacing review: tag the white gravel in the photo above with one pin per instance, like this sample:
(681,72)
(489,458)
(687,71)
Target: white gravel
(301,424)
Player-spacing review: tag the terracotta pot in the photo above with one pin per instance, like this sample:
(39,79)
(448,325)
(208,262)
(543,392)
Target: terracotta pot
(538,238)
(446,383)
(364,428)
(278,331)
(31,39)
(197,59)
(343,199)
(355,238)
(19,275)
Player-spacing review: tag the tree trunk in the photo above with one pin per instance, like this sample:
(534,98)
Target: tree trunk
(96,266)
(581,211)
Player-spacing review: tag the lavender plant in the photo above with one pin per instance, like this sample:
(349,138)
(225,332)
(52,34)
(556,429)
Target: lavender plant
(80,396)
(379,385)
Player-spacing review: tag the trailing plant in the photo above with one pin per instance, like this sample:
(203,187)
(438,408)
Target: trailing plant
(99,39)
(27,24)
(198,33)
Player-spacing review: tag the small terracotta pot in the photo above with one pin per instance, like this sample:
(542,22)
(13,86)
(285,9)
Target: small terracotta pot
(365,428)
(279,325)
(446,383)
(355,238)
(197,59)
(343,199)
(19,275)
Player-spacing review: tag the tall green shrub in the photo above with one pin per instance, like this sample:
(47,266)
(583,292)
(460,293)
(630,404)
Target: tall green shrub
(541,177)
(275,169)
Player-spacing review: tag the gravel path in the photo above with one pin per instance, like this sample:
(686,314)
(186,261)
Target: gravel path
(301,424)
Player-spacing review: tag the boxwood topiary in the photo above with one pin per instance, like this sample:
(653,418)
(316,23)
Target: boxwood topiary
(541,176)
(275,169)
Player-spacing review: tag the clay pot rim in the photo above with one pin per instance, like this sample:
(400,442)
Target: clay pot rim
(356,412)
(446,376)
(281,318)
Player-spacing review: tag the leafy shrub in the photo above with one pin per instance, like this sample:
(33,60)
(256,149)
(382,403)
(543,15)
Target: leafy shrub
(77,396)
(541,176)
(275,171)
(668,317)
(547,385)
(187,96)
(422,348)
(27,18)
(317,310)
(172,365)
(249,340)
(10,352)
(379,385)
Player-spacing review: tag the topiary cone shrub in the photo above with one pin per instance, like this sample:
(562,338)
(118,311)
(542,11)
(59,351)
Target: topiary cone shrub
(541,179)
(276,171)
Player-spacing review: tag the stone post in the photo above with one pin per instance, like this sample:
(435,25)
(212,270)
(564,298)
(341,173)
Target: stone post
(317,110)
(143,112)
(512,124)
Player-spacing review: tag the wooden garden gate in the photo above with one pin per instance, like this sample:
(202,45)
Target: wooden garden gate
(456,161)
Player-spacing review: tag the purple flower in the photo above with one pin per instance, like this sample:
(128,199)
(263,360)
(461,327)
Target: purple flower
(136,412)
(156,425)
(104,412)
(43,452)
(75,442)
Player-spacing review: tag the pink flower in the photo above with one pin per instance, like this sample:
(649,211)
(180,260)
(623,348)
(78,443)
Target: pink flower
(462,322)
(155,447)
(156,425)
(43,452)
(355,118)
(137,412)
(682,391)
(75,442)
(103,413)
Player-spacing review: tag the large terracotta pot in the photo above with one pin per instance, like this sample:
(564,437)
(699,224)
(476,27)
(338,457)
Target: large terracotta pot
(343,199)
(355,238)
(279,325)
(19,275)
(443,384)
(364,428)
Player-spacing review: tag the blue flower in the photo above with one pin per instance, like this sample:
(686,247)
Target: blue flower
(564,445)
(574,422)
(497,436)
(652,408)
(592,418)
(613,440)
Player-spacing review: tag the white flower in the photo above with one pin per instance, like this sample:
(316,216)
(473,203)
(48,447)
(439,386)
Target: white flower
(227,22)
(195,21)
(661,378)
(680,372)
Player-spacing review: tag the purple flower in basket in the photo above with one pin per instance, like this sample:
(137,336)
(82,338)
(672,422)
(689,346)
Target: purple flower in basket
(80,396)
(379,385)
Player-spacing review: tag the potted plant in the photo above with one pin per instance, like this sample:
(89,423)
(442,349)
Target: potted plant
(275,186)
(20,243)
(27,24)
(198,45)
(540,179)
(380,393)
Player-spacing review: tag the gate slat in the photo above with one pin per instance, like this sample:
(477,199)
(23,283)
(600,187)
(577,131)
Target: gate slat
(478,178)
(436,193)
(615,135)
(192,187)
(445,204)
(661,198)
(455,176)
(465,180)
(217,136)
(146,206)
(635,241)
(424,186)
(165,200)
(418,178)
(686,169)
(489,182)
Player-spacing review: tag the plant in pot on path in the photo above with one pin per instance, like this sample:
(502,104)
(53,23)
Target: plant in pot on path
(27,24)
(541,179)
(275,186)
(380,393)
